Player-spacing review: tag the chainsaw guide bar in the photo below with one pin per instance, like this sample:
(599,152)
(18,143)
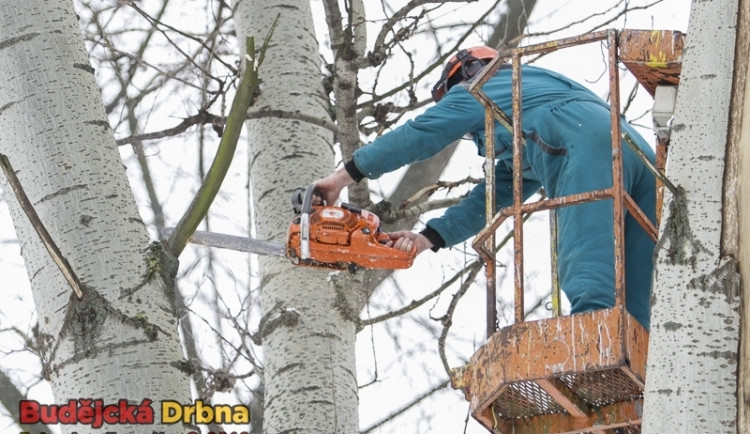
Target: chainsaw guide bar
(342,237)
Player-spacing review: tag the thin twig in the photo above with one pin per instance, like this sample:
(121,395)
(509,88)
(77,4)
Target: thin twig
(36,223)
(428,190)
(447,319)
(406,407)
(416,303)
(203,117)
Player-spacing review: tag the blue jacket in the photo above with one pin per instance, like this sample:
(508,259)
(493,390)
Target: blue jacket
(459,113)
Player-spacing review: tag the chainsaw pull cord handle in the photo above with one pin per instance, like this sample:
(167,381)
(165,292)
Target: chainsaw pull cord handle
(304,225)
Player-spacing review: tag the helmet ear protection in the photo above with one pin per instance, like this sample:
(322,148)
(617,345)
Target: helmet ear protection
(468,62)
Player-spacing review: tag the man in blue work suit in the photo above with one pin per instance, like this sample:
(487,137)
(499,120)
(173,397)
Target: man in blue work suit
(568,150)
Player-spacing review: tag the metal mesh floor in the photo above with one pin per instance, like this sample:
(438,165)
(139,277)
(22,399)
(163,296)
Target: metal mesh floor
(595,389)
(525,398)
(603,387)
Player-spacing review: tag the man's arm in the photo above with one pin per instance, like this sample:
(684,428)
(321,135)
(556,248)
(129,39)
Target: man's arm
(422,137)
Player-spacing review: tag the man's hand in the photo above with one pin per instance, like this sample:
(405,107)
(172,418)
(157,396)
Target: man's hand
(330,187)
(407,241)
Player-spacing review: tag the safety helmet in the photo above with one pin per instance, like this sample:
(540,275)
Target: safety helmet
(468,61)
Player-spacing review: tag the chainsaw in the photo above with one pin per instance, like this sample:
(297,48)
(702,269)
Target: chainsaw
(343,237)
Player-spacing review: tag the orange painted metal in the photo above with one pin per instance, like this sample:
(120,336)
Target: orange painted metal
(545,349)
(653,56)
(618,207)
(640,217)
(517,189)
(540,376)
(490,206)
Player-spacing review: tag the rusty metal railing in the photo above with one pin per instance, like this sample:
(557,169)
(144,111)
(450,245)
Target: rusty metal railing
(484,243)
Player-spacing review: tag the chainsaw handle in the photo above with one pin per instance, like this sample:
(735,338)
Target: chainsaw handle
(307,201)
(302,200)
(305,221)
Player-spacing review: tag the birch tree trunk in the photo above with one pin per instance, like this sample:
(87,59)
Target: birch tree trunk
(693,348)
(119,341)
(308,338)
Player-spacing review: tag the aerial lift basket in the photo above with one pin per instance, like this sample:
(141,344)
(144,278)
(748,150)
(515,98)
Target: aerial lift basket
(577,373)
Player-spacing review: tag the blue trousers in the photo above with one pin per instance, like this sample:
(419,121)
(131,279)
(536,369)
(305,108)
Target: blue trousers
(570,152)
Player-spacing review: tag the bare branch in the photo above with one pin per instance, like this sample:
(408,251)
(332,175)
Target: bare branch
(416,303)
(428,190)
(10,396)
(447,319)
(406,407)
(210,187)
(38,226)
(600,25)
(381,47)
(201,118)
(321,122)
(156,23)
(388,214)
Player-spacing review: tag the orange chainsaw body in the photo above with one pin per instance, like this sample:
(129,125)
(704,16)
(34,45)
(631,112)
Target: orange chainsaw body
(342,238)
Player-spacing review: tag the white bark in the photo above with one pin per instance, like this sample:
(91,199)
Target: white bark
(307,330)
(693,349)
(120,340)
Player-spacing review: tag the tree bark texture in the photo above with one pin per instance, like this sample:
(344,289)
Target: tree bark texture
(306,328)
(740,198)
(693,348)
(119,341)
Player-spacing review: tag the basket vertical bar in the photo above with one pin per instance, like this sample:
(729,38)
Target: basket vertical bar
(517,189)
(617,181)
(491,206)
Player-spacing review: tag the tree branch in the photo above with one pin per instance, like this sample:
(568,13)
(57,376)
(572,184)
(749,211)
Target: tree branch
(201,118)
(207,192)
(10,396)
(406,407)
(281,114)
(38,226)
(379,54)
(416,303)
(447,319)
(428,190)
(389,215)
